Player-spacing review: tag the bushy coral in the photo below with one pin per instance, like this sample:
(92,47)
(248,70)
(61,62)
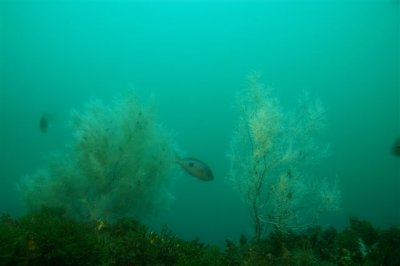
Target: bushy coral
(116,166)
(271,154)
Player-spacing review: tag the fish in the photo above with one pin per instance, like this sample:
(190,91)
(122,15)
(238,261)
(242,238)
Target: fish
(396,148)
(44,123)
(196,168)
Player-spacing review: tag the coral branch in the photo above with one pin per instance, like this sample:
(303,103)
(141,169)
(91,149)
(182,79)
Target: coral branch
(116,165)
(270,150)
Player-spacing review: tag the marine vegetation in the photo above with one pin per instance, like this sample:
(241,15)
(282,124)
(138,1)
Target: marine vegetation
(48,236)
(272,155)
(117,165)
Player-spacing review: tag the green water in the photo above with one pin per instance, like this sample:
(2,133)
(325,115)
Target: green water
(194,56)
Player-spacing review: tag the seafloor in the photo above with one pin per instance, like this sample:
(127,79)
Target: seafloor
(48,237)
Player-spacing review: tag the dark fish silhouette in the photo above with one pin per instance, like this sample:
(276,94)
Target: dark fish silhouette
(44,123)
(196,168)
(396,148)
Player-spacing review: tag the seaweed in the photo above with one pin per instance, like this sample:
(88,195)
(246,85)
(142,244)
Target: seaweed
(49,236)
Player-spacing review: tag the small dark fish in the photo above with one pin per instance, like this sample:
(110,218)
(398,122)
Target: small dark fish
(396,148)
(196,168)
(44,123)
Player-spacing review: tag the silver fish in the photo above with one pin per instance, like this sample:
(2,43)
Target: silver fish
(196,168)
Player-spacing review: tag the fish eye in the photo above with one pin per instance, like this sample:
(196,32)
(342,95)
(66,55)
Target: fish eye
(191,164)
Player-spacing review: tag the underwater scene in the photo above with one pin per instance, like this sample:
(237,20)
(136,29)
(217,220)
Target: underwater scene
(199,132)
